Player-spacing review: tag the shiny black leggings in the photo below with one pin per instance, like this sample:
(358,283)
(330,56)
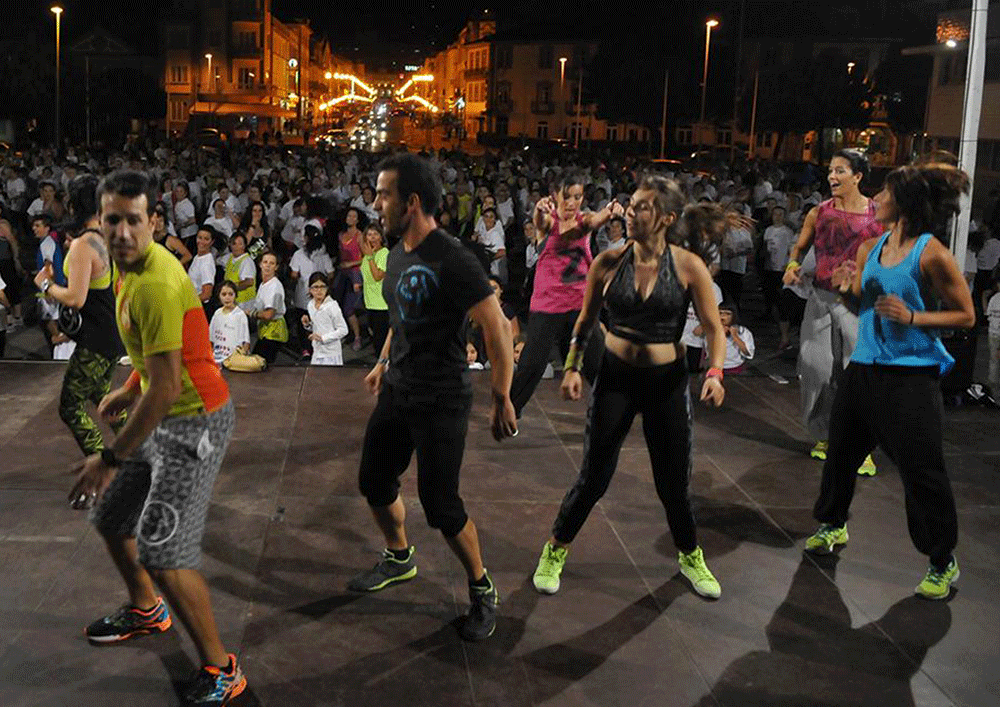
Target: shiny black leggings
(661,394)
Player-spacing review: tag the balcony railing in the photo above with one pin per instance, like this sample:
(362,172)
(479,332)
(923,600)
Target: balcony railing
(543,107)
(502,106)
(571,108)
(246,51)
(480,73)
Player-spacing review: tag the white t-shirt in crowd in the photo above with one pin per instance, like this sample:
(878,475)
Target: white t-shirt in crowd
(689,338)
(37,207)
(223,225)
(807,274)
(294,230)
(993,314)
(778,241)
(505,211)
(3,320)
(989,254)
(305,265)
(228,332)
(184,211)
(739,241)
(735,357)
(271,295)
(202,272)
(329,323)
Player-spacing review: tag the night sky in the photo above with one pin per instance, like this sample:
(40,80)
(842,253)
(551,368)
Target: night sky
(380,32)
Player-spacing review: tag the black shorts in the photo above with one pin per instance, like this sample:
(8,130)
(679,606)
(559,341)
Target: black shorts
(435,426)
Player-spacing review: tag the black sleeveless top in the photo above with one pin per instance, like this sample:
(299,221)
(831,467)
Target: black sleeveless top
(660,318)
(93,326)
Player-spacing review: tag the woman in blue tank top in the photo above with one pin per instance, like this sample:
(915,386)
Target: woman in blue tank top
(890,395)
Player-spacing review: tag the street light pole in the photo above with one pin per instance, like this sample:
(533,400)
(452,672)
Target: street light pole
(663,121)
(704,77)
(579,99)
(208,79)
(57,11)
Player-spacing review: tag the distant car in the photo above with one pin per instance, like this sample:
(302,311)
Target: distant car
(335,138)
(208,136)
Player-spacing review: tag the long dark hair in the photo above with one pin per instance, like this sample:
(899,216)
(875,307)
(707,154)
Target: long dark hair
(927,196)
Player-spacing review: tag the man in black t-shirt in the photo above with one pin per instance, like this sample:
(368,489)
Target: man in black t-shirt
(432,284)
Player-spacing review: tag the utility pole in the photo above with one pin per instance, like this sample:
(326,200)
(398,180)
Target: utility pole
(663,120)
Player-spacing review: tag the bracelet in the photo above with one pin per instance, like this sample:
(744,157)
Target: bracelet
(912,313)
(714,373)
(574,360)
(382,362)
(46,284)
(792,264)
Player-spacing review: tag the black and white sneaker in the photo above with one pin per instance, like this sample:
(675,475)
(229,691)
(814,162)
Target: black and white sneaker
(481,621)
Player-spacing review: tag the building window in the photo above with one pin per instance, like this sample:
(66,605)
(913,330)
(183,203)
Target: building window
(685,136)
(633,135)
(504,57)
(724,137)
(543,92)
(765,139)
(178,74)
(545,56)
(245,77)
(178,111)
(543,130)
(611,133)
(248,40)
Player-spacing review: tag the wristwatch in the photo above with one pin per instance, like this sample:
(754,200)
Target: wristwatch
(46,284)
(109,458)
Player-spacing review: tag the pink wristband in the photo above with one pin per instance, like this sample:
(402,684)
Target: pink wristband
(714,373)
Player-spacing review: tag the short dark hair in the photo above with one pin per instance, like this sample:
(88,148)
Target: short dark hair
(415,175)
(42,216)
(239,234)
(319,277)
(857,159)
(490,211)
(130,184)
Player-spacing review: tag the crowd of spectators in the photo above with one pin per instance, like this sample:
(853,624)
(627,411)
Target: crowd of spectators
(290,237)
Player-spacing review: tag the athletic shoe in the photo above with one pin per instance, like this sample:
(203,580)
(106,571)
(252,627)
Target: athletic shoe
(550,566)
(937,584)
(867,467)
(819,451)
(388,571)
(129,622)
(214,687)
(824,540)
(702,580)
(481,621)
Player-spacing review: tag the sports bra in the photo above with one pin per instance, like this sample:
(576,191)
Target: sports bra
(658,319)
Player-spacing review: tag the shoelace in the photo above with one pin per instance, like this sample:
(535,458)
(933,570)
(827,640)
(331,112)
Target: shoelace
(826,531)
(700,568)
(935,577)
(550,562)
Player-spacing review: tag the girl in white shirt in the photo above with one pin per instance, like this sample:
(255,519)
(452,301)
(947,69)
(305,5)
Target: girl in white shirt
(230,330)
(269,310)
(739,340)
(202,268)
(326,322)
(220,220)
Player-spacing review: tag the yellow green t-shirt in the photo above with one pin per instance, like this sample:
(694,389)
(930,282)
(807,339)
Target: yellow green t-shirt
(373,287)
(157,311)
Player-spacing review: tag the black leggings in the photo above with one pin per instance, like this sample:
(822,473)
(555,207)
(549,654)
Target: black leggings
(898,408)
(661,394)
(268,349)
(378,322)
(543,330)
(435,426)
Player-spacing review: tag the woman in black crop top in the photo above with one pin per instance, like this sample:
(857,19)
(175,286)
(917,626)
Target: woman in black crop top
(646,286)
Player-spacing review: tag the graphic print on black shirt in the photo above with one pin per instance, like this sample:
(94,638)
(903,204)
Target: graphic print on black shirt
(429,291)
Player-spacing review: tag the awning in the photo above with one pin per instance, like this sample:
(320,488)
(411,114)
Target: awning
(263,110)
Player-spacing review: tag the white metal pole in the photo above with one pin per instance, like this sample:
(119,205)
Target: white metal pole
(970,121)
(663,120)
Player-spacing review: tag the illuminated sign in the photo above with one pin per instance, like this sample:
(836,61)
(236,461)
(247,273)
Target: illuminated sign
(411,67)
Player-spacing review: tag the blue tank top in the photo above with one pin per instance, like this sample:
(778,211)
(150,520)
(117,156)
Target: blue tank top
(889,343)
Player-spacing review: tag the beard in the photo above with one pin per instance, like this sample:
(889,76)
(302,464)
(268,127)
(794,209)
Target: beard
(394,231)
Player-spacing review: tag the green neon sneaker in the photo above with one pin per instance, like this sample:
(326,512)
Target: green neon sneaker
(824,540)
(388,571)
(819,451)
(937,584)
(702,580)
(867,467)
(550,566)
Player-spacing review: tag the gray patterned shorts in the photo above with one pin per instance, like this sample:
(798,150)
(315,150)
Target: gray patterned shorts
(161,494)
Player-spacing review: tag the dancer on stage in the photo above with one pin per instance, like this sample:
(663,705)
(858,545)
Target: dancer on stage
(86,315)
(152,487)
(890,394)
(431,284)
(646,286)
(829,331)
(560,281)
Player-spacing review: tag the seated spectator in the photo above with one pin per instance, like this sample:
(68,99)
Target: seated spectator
(493,238)
(221,220)
(239,267)
(472,355)
(268,309)
(693,336)
(325,322)
(202,270)
(739,340)
(230,329)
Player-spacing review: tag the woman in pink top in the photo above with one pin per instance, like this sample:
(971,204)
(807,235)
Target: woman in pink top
(350,273)
(829,332)
(560,282)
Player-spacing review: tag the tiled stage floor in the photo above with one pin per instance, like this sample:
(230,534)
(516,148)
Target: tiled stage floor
(287,529)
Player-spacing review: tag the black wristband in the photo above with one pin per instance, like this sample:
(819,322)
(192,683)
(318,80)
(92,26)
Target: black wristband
(109,458)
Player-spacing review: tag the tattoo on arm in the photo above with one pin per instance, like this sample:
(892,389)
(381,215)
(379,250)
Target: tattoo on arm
(97,244)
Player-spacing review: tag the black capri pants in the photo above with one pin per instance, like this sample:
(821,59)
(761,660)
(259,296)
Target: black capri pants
(435,426)
(899,409)
(621,390)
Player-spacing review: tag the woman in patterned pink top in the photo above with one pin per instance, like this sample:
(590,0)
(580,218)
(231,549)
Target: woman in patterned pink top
(829,332)
(560,281)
